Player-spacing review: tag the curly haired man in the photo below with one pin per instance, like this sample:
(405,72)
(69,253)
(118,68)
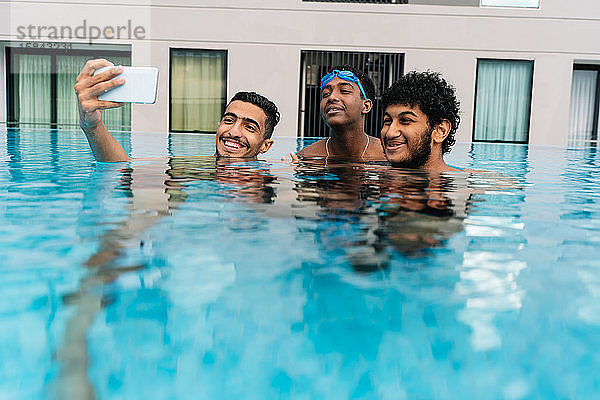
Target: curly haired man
(420,120)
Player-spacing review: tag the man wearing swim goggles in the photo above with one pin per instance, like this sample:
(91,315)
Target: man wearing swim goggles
(345,75)
(346,95)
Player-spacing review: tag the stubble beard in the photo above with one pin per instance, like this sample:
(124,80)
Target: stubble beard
(418,155)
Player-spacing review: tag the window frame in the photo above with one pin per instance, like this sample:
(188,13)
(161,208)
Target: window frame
(506,6)
(532,63)
(11,82)
(225,69)
(596,123)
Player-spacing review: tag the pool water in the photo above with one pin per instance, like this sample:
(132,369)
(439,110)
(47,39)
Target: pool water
(185,278)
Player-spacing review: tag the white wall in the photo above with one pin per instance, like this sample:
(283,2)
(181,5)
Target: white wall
(551,94)
(264,39)
(461,72)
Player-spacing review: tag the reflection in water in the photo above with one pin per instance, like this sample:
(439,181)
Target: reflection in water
(155,190)
(344,196)
(361,214)
(580,208)
(186,278)
(388,221)
(371,207)
(251,182)
(364,216)
(422,211)
(491,263)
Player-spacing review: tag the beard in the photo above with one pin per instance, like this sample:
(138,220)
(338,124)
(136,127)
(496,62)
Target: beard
(419,152)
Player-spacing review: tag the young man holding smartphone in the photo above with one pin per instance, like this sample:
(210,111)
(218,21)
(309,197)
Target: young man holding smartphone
(244,131)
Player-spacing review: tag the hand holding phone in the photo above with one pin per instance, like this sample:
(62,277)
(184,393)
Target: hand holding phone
(141,84)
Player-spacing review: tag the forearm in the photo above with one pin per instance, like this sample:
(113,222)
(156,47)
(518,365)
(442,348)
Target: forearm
(104,146)
(88,87)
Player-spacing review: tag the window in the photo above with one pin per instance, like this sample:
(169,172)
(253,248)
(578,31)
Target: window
(40,87)
(511,3)
(585,99)
(382,68)
(361,1)
(474,3)
(503,100)
(198,89)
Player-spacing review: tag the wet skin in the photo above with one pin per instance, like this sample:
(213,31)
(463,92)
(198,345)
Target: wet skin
(344,109)
(342,103)
(406,136)
(241,131)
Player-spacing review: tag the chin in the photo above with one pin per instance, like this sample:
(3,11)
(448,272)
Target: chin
(393,159)
(398,162)
(335,121)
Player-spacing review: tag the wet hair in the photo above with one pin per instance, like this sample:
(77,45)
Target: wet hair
(269,108)
(365,81)
(435,97)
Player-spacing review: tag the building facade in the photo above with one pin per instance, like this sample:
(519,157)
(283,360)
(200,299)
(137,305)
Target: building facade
(525,71)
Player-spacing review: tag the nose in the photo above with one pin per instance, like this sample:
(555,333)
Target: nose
(334,96)
(395,126)
(390,131)
(236,129)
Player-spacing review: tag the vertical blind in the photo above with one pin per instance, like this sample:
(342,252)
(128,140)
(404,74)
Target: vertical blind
(503,100)
(198,89)
(34,99)
(583,105)
(67,69)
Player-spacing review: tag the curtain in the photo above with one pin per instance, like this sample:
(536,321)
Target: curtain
(198,89)
(118,118)
(67,114)
(67,69)
(583,98)
(503,100)
(32,98)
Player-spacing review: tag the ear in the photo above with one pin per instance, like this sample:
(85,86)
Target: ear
(267,143)
(441,131)
(367,106)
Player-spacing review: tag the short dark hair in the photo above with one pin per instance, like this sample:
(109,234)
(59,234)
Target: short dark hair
(269,108)
(365,81)
(435,97)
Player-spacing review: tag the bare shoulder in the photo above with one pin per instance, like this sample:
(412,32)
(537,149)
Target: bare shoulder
(316,149)
(375,150)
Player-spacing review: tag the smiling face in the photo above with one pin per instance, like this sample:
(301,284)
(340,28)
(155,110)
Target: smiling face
(406,136)
(241,132)
(342,103)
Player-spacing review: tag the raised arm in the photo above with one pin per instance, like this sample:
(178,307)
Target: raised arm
(88,88)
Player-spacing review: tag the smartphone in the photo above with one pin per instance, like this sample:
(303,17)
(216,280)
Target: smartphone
(140,85)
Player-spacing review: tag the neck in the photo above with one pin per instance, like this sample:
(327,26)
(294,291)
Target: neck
(436,162)
(348,141)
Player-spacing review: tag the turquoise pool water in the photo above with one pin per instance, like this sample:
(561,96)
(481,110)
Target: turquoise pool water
(183,278)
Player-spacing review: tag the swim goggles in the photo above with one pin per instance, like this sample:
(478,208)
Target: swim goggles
(345,75)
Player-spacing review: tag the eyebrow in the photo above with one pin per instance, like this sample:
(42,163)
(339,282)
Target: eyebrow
(349,84)
(403,113)
(249,120)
